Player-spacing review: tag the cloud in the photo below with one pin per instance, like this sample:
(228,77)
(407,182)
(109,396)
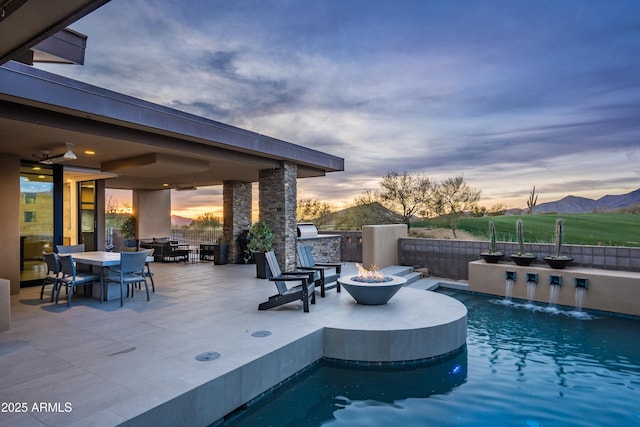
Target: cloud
(545,92)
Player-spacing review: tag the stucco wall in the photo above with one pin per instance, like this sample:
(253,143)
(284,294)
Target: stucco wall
(380,244)
(152,209)
(607,290)
(10,221)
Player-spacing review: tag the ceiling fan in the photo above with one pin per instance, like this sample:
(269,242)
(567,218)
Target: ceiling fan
(45,157)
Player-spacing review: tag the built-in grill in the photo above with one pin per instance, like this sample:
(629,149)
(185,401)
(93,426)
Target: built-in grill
(306,230)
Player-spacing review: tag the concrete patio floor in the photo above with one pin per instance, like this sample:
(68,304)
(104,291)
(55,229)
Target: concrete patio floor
(98,364)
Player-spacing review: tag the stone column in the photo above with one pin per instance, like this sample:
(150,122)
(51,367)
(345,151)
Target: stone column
(236,203)
(278,198)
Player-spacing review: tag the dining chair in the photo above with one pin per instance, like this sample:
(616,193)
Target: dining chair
(71,278)
(53,274)
(147,271)
(69,249)
(129,272)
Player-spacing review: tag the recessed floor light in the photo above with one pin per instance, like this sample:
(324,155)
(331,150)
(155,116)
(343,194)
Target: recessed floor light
(207,356)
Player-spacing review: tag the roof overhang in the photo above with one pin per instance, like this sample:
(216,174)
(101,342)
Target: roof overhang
(41,111)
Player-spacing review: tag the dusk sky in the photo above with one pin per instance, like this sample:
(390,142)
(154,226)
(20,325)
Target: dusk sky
(509,93)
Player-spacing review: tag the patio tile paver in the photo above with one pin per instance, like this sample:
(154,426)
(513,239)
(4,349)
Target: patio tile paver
(113,364)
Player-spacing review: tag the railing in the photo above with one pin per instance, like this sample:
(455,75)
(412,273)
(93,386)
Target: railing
(185,236)
(194,237)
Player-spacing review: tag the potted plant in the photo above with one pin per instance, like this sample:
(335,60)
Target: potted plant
(558,261)
(493,256)
(260,241)
(128,232)
(521,257)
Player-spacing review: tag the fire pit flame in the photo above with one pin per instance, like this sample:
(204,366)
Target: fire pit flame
(372,275)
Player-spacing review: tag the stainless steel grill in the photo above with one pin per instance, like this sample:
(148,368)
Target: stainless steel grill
(307,230)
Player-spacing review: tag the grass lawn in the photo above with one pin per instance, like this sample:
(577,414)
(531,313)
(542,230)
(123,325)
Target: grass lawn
(601,229)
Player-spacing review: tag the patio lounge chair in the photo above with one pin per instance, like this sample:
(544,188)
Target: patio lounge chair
(304,291)
(305,258)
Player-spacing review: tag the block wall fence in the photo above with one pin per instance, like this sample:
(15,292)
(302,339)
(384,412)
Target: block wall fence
(450,258)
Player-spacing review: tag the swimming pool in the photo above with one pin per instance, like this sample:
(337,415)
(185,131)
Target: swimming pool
(520,367)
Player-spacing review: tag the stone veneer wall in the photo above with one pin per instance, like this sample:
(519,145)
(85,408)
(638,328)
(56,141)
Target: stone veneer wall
(451,258)
(350,244)
(236,201)
(278,198)
(324,248)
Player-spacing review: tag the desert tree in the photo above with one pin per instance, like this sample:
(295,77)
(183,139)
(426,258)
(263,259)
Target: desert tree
(206,221)
(406,194)
(497,209)
(314,211)
(454,198)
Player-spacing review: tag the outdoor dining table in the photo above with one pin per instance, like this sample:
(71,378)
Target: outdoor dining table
(101,259)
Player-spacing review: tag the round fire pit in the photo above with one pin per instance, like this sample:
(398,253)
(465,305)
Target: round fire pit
(372,293)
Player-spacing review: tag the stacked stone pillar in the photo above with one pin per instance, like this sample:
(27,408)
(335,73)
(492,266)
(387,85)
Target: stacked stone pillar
(278,198)
(236,201)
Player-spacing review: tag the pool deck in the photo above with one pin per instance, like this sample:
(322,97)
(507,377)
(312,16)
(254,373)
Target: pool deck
(98,364)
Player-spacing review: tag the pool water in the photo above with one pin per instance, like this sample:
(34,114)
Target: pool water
(521,366)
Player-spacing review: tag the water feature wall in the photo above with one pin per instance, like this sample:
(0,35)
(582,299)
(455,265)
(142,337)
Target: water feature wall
(591,288)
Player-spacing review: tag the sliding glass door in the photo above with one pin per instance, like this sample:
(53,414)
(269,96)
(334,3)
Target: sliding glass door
(36,220)
(87,214)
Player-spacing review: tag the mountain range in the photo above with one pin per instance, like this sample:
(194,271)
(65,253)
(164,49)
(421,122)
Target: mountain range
(573,204)
(180,221)
(569,204)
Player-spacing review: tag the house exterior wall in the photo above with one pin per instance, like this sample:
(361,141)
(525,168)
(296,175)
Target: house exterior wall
(10,221)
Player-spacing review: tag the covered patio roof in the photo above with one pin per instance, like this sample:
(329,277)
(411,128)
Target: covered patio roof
(146,145)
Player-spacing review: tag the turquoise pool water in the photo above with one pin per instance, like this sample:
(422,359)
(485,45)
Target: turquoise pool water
(521,366)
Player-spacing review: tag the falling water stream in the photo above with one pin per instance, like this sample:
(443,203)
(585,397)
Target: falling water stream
(509,289)
(554,291)
(531,291)
(580,293)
